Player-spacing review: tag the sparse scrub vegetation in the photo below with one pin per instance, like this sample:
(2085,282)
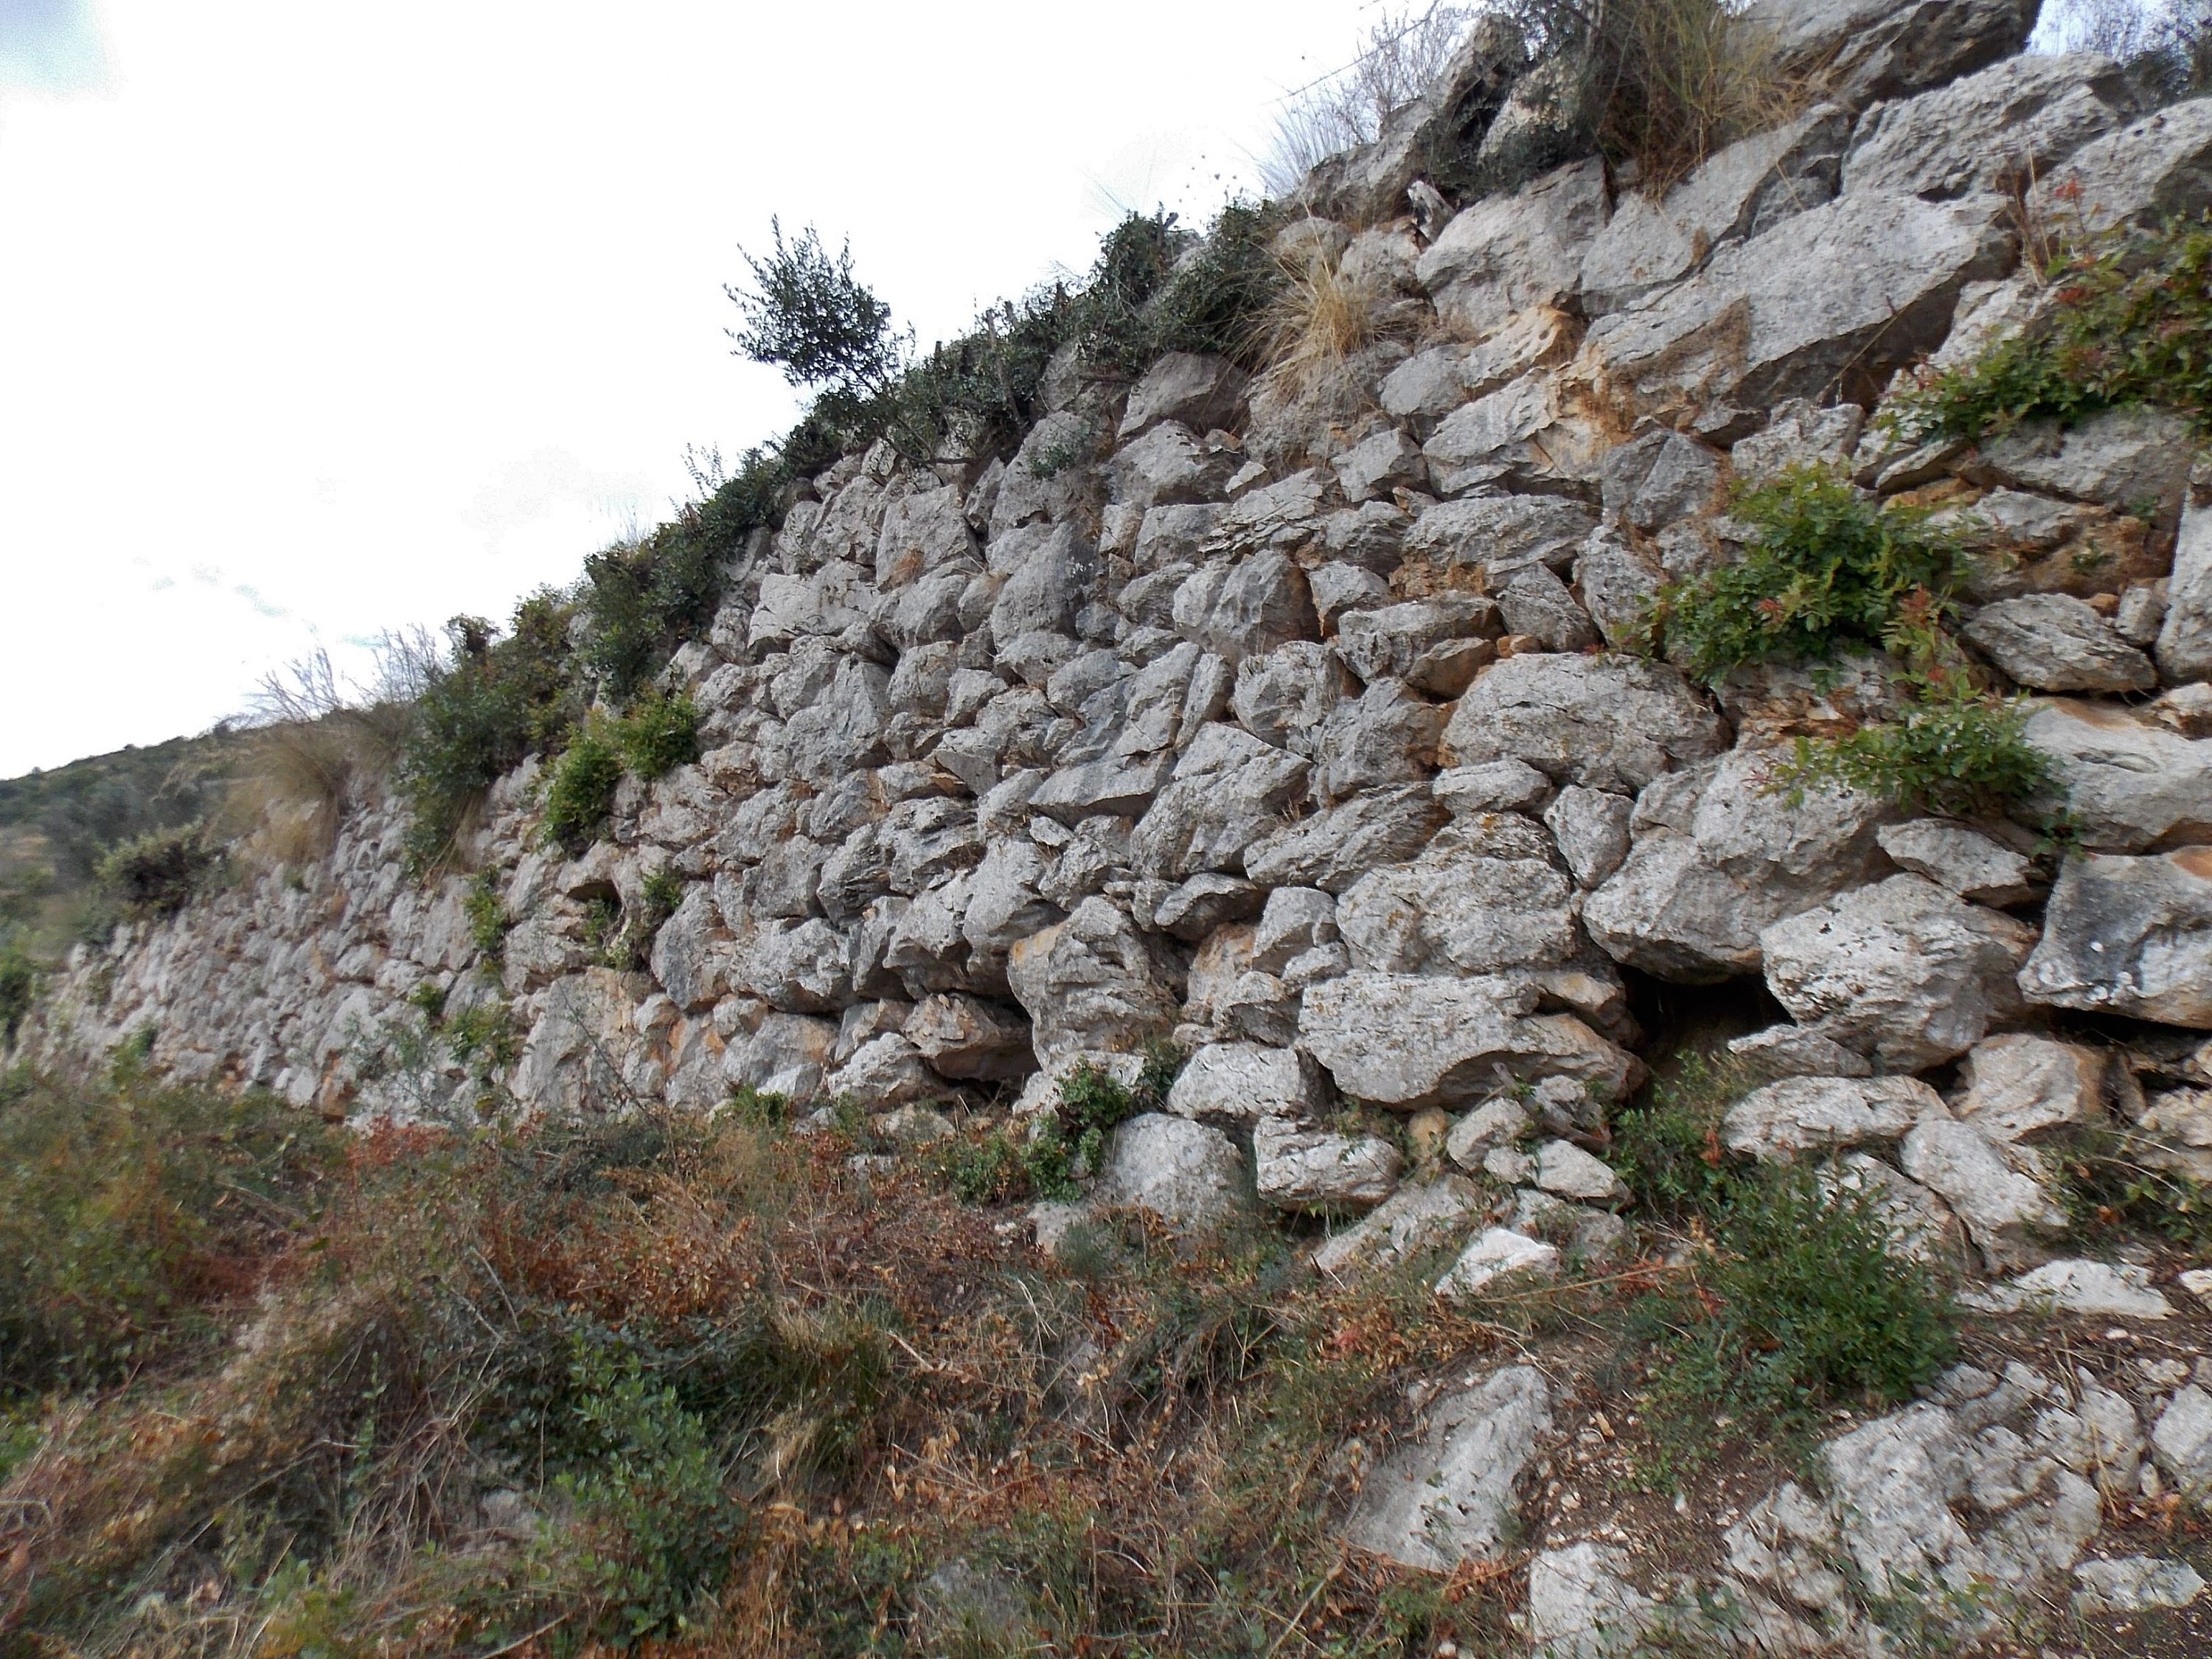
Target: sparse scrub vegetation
(158,873)
(1795,1297)
(2129,321)
(1829,567)
(647,1377)
(580,787)
(1656,86)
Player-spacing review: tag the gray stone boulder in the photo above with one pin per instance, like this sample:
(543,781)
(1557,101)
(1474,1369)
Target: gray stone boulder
(1229,789)
(2185,636)
(1765,322)
(2098,1290)
(1499,536)
(1527,435)
(1752,185)
(1240,1083)
(1093,982)
(1410,1042)
(965,1038)
(2001,1193)
(1450,1496)
(1815,1115)
(2129,784)
(1603,722)
(1511,254)
(1188,1175)
(2002,129)
(1718,856)
(1782,1051)
(1168,466)
(1964,861)
(1248,609)
(1308,1169)
(1863,50)
(1286,697)
(1412,1222)
(1201,393)
(1903,970)
(1388,735)
(2134,1583)
(2017,1085)
(1333,849)
(2146,172)
(1537,605)
(2128,936)
(1436,644)
(1499,1254)
(885,1072)
(1467,905)
(2135,459)
(2181,1440)
(2055,642)
(1582,1605)
(1565,1170)
(1592,829)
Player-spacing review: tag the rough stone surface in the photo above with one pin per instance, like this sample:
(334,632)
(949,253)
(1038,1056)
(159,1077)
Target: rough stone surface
(1302,1168)
(2128,936)
(1797,1114)
(1902,970)
(2130,784)
(1411,1222)
(2018,1084)
(1966,861)
(2001,1193)
(1241,1083)
(1498,1254)
(1188,1174)
(1450,1497)
(2054,642)
(1603,722)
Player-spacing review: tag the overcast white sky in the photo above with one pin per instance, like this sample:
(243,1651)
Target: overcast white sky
(320,318)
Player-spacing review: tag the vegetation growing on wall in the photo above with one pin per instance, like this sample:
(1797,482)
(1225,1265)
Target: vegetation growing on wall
(2127,320)
(1829,567)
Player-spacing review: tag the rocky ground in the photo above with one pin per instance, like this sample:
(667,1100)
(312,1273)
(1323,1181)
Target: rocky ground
(1298,721)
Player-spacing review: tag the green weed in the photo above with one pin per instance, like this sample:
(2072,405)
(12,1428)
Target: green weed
(2130,321)
(580,790)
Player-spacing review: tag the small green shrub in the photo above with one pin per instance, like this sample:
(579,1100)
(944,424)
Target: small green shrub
(1802,1303)
(2117,1180)
(2130,321)
(658,735)
(580,789)
(125,1215)
(493,701)
(1668,1149)
(660,1528)
(482,1038)
(486,907)
(1958,751)
(160,872)
(18,989)
(1827,566)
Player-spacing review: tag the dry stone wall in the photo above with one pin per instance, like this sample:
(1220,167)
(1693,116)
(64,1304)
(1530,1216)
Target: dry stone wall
(1289,720)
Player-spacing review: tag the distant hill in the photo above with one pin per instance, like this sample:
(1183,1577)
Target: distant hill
(55,824)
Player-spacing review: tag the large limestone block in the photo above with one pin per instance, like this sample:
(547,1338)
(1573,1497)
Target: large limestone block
(1093,982)
(1450,1497)
(1603,722)
(1718,856)
(1767,320)
(1508,254)
(2185,638)
(2018,1084)
(1799,1114)
(967,1038)
(2001,1193)
(2130,785)
(1201,392)
(1188,1175)
(1411,1222)
(2055,642)
(1249,609)
(1333,849)
(1229,789)
(1868,49)
(1410,1042)
(1902,970)
(1526,435)
(1753,184)
(2134,459)
(1241,1083)
(1462,907)
(1307,1170)
(2003,128)
(2128,936)
(1499,536)
(2145,172)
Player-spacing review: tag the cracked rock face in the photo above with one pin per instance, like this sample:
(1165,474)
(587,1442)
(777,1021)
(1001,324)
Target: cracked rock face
(1450,1497)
